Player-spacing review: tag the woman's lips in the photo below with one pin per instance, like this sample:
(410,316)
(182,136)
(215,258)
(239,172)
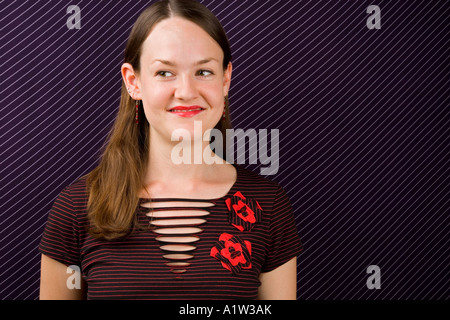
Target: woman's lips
(186,111)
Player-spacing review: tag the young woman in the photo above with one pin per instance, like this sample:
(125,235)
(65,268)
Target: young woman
(143,226)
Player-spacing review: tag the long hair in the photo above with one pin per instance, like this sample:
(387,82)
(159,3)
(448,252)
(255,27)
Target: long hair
(114,185)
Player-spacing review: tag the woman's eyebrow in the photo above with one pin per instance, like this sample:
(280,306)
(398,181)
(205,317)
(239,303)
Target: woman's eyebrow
(172,64)
(167,62)
(204,61)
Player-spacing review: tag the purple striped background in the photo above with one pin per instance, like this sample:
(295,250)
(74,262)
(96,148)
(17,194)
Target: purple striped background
(363,119)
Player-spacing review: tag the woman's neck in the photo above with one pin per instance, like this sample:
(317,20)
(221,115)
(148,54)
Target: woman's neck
(172,169)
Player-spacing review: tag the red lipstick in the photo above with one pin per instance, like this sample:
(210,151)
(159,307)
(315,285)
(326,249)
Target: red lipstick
(186,111)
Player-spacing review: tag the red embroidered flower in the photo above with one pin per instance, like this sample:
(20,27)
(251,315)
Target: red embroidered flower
(244,212)
(233,253)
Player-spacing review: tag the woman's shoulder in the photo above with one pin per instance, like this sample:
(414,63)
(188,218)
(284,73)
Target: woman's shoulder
(266,197)
(253,185)
(247,177)
(78,185)
(76,191)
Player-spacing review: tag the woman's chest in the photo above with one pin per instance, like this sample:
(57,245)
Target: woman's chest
(186,251)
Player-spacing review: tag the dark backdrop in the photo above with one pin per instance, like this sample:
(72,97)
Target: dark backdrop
(362,114)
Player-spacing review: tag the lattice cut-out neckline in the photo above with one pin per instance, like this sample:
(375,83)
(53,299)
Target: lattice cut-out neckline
(177,224)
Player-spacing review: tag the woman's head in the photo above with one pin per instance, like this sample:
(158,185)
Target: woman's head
(178,55)
(115,184)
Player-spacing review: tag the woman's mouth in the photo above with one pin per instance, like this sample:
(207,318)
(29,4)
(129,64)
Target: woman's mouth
(186,111)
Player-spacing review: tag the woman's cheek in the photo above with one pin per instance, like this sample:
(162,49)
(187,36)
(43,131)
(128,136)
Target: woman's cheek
(158,97)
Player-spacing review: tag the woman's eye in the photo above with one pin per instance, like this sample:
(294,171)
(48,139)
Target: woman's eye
(164,74)
(204,73)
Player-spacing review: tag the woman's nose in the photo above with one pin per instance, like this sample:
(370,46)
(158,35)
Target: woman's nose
(185,88)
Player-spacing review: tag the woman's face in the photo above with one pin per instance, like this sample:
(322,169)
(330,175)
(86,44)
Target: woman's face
(181,78)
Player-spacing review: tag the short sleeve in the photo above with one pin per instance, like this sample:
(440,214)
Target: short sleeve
(284,242)
(60,238)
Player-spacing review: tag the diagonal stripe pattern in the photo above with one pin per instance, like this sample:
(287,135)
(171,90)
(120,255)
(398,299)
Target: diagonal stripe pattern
(362,116)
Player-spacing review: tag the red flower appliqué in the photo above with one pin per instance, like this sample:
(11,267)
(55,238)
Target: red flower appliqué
(233,253)
(244,212)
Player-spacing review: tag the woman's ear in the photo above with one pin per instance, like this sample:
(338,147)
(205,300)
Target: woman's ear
(131,79)
(227,79)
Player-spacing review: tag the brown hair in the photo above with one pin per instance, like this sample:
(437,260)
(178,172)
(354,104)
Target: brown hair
(114,185)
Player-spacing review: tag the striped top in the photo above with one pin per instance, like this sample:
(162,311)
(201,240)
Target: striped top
(193,248)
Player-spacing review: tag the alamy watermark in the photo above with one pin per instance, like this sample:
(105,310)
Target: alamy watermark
(374,20)
(374,280)
(74,20)
(74,280)
(190,149)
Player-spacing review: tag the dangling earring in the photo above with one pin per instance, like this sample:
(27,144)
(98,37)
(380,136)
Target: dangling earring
(137,107)
(224,107)
(137,112)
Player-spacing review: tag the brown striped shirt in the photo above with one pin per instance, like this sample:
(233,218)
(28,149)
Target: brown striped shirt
(193,248)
